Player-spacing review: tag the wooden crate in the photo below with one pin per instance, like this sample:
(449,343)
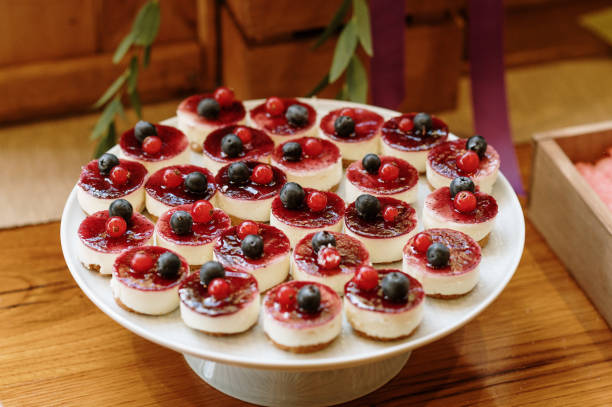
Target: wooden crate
(570,215)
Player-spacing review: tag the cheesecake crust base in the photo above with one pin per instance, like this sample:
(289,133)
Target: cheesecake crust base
(301,349)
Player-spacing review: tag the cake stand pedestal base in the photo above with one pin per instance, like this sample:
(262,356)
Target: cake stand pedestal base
(296,388)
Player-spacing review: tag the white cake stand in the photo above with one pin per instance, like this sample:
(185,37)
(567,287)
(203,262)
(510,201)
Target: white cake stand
(248,367)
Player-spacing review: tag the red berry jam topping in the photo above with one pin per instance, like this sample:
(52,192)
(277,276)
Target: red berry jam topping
(405,220)
(147,277)
(159,188)
(259,145)
(242,291)
(352,256)
(328,156)
(465,253)
(441,203)
(93,234)
(294,317)
(407,177)
(444,159)
(275,122)
(228,249)
(367,124)
(374,300)
(304,217)
(410,139)
(103,187)
(173,142)
(201,233)
(230,114)
(250,190)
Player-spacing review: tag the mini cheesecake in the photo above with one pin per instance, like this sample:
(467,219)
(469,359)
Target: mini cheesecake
(247,189)
(383,225)
(255,248)
(411,136)
(284,119)
(299,211)
(97,249)
(388,305)
(180,229)
(449,160)
(235,143)
(448,269)
(439,211)
(219,301)
(310,162)
(382,176)
(178,185)
(328,258)
(118,179)
(155,149)
(302,316)
(355,131)
(199,115)
(146,279)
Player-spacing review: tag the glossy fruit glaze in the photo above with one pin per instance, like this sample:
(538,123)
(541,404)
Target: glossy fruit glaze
(173,141)
(409,141)
(278,124)
(378,228)
(373,183)
(374,300)
(92,233)
(250,190)
(201,233)
(443,160)
(228,115)
(440,202)
(179,195)
(148,280)
(367,125)
(304,217)
(261,145)
(328,156)
(101,186)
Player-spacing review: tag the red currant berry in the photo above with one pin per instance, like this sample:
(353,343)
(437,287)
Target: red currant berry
(313,147)
(202,211)
(406,124)
(316,201)
(244,134)
(172,178)
(116,226)
(347,112)
(465,201)
(468,162)
(366,278)
(275,106)
(119,175)
(224,96)
(390,213)
(422,241)
(151,144)
(328,258)
(286,297)
(247,228)
(389,172)
(141,262)
(219,288)
(262,174)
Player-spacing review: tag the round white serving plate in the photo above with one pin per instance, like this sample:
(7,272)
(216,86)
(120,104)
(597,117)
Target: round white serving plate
(249,367)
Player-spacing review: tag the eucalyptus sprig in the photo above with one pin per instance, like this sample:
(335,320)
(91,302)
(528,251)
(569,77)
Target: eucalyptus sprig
(356,31)
(139,41)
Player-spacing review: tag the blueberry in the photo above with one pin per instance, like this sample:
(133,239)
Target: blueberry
(292,151)
(438,255)
(181,222)
(252,246)
(309,298)
(297,115)
(477,144)
(121,207)
(292,195)
(144,129)
(231,145)
(422,121)
(371,163)
(168,265)
(322,239)
(368,206)
(211,270)
(344,126)
(239,172)
(196,183)
(461,184)
(106,162)
(209,108)
(395,286)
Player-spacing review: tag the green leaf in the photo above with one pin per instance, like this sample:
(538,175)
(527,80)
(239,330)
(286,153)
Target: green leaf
(356,81)
(146,24)
(345,48)
(600,22)
(147,56)
(123,48)
(120,109)
(106,118)
(361,14)
(333,24)
(135,102)
(107,142)
(342,92)
(319,86)
(112,89)
(132,79)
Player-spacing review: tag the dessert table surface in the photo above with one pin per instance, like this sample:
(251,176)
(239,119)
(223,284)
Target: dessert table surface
(540,343)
